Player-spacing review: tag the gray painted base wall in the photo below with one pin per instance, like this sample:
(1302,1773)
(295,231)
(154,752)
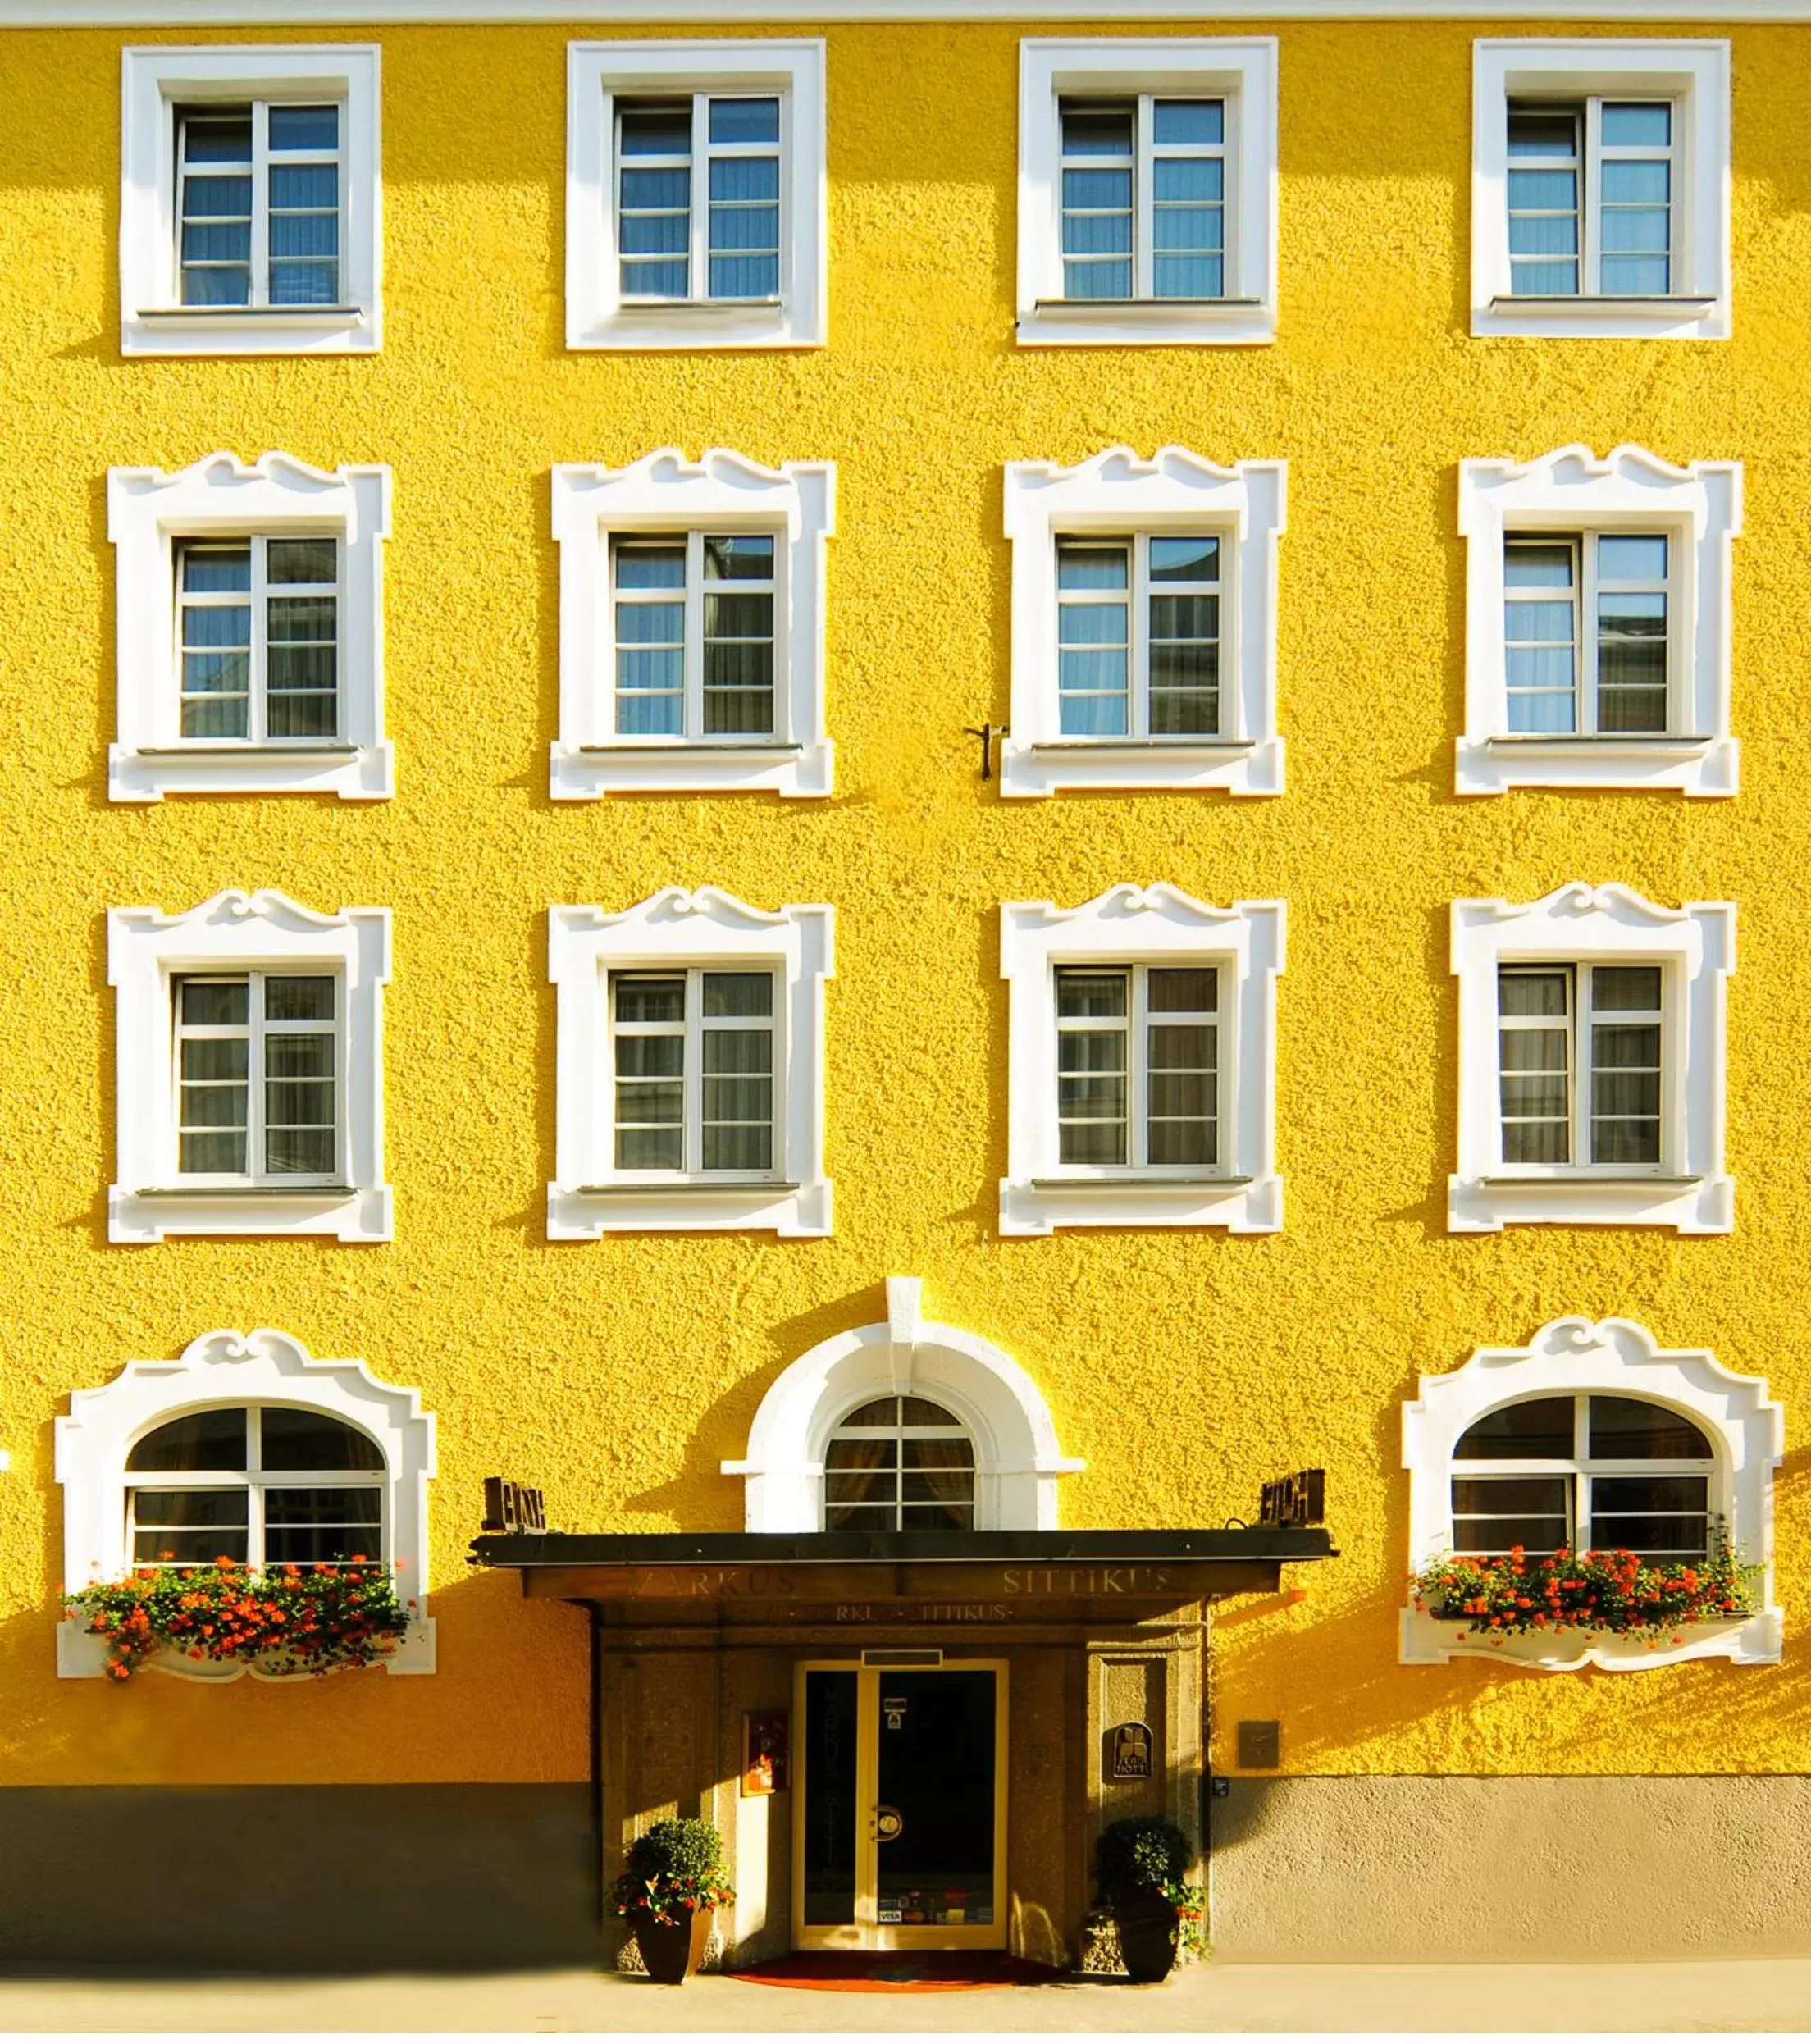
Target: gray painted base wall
(1468,1868)
(399,1877)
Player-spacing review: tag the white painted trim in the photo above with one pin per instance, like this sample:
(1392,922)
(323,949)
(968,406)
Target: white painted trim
(1116,492)
(1746,1429)
(154,81)
(148,511)
(1243,70)
(1696,944)
(676,928)
(663,492)
(232,931)
(1697,74)
(1131,925)
(229,1368)
(1017,1458)
(87,14)
(1571,491)
(595,316)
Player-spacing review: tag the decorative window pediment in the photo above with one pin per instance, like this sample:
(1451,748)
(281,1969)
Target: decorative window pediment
(689,1067)
(1142,1063)
(1730,1414)
(1144,610)
(1598,622)
(226,1369)
(691,627)
(249,1047)
(1591,1027)
(250,630)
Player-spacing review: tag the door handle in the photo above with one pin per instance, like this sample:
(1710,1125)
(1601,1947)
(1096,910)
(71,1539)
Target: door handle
(888,1823)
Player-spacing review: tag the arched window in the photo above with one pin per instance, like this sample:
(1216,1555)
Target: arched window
(1585,1471)
(257,1484)
(899,1465)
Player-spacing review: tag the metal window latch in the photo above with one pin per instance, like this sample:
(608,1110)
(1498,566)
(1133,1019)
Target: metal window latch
(987,733)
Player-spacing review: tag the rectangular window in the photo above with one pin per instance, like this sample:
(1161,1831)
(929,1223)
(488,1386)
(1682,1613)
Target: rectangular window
(258,629)
(694,1071)
(1591,190)
(1143,198)
(258,204)
(698,198)
(1138,1066)
(257,1076)
(1138,636)
(1558,1107)
(695,634)
(1587,622)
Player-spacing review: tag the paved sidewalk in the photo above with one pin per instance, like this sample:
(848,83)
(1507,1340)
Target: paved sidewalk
(1764,1994)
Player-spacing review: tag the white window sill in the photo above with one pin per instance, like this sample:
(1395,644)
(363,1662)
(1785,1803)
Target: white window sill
(582,1213)
(348,1213)
(1243,1206)
(251,330)
(1146,322)
(1694,1206)
(1428,1641)
(585,773)
(702,323)
(1684,317)
(1241,766)
(354,773)
(82,1655)
(1691,764)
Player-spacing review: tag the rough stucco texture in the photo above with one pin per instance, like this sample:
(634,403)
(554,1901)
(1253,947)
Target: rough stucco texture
(1184,1367)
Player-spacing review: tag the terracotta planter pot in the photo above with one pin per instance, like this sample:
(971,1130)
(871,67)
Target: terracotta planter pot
(1147,1937)
(672,1952)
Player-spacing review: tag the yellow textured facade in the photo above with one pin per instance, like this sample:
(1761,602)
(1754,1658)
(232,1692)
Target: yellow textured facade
(1183,1365)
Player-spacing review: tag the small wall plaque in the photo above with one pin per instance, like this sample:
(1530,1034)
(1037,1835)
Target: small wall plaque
(1129,1752)
(766,1752)
(1259,1742)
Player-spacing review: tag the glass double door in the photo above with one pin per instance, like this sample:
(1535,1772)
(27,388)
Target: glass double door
(899,1838)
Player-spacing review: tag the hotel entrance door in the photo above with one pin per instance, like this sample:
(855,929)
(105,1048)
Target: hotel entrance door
(899,1839)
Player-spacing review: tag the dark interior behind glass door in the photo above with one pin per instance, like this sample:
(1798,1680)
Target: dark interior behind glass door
(830,1814)
(937,1771)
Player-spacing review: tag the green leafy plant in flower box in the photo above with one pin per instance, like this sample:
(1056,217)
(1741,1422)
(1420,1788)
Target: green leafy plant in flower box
(287,1619)
(1602,1589)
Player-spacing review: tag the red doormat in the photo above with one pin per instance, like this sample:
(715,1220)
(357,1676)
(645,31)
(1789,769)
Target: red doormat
(898,1973)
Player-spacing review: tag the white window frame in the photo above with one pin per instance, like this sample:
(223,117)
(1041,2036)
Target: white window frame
(597,74)
(1572,493)
(1118,492)
(589,1197)
(256,1031)
(664,493)
(1694,946)
(229,1368)
(148,951)
(150,512)
(1242,70)
(1695,75)
(1614,1358)
(1158,926)
(154,82)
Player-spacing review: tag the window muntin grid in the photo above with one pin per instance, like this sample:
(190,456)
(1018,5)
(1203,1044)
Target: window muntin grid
(1555,1106)
(1143,184)
(693,1067)
(256,1483)
(1591,191)
(899,1465)
(1587,633)
(1137,1067)
(1138,635)
(258,204)
(1585,1471)
(671,249)
(257,1078)
(695,623)
(257,638)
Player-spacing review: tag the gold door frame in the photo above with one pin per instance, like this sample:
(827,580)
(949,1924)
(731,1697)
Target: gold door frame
(867,1933)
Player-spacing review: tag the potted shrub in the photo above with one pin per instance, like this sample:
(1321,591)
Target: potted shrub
(1139,1866)
(671,1894)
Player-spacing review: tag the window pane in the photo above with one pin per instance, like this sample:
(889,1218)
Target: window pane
(745,120)
(299,998)
(1626,987)
(215,1003)
(1533,993)
(1187,561)
(1081,993)
(1080,565)
(301,561)
(212,1439)
(661,129)
(190,1508)
(1630,1430)
(1532,1430)
(1189,988)
(738,994)
(297,1439)
(739,557)
(212,1154)
(1632,124)
(649,999)
(1096,130)
(1191,122)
